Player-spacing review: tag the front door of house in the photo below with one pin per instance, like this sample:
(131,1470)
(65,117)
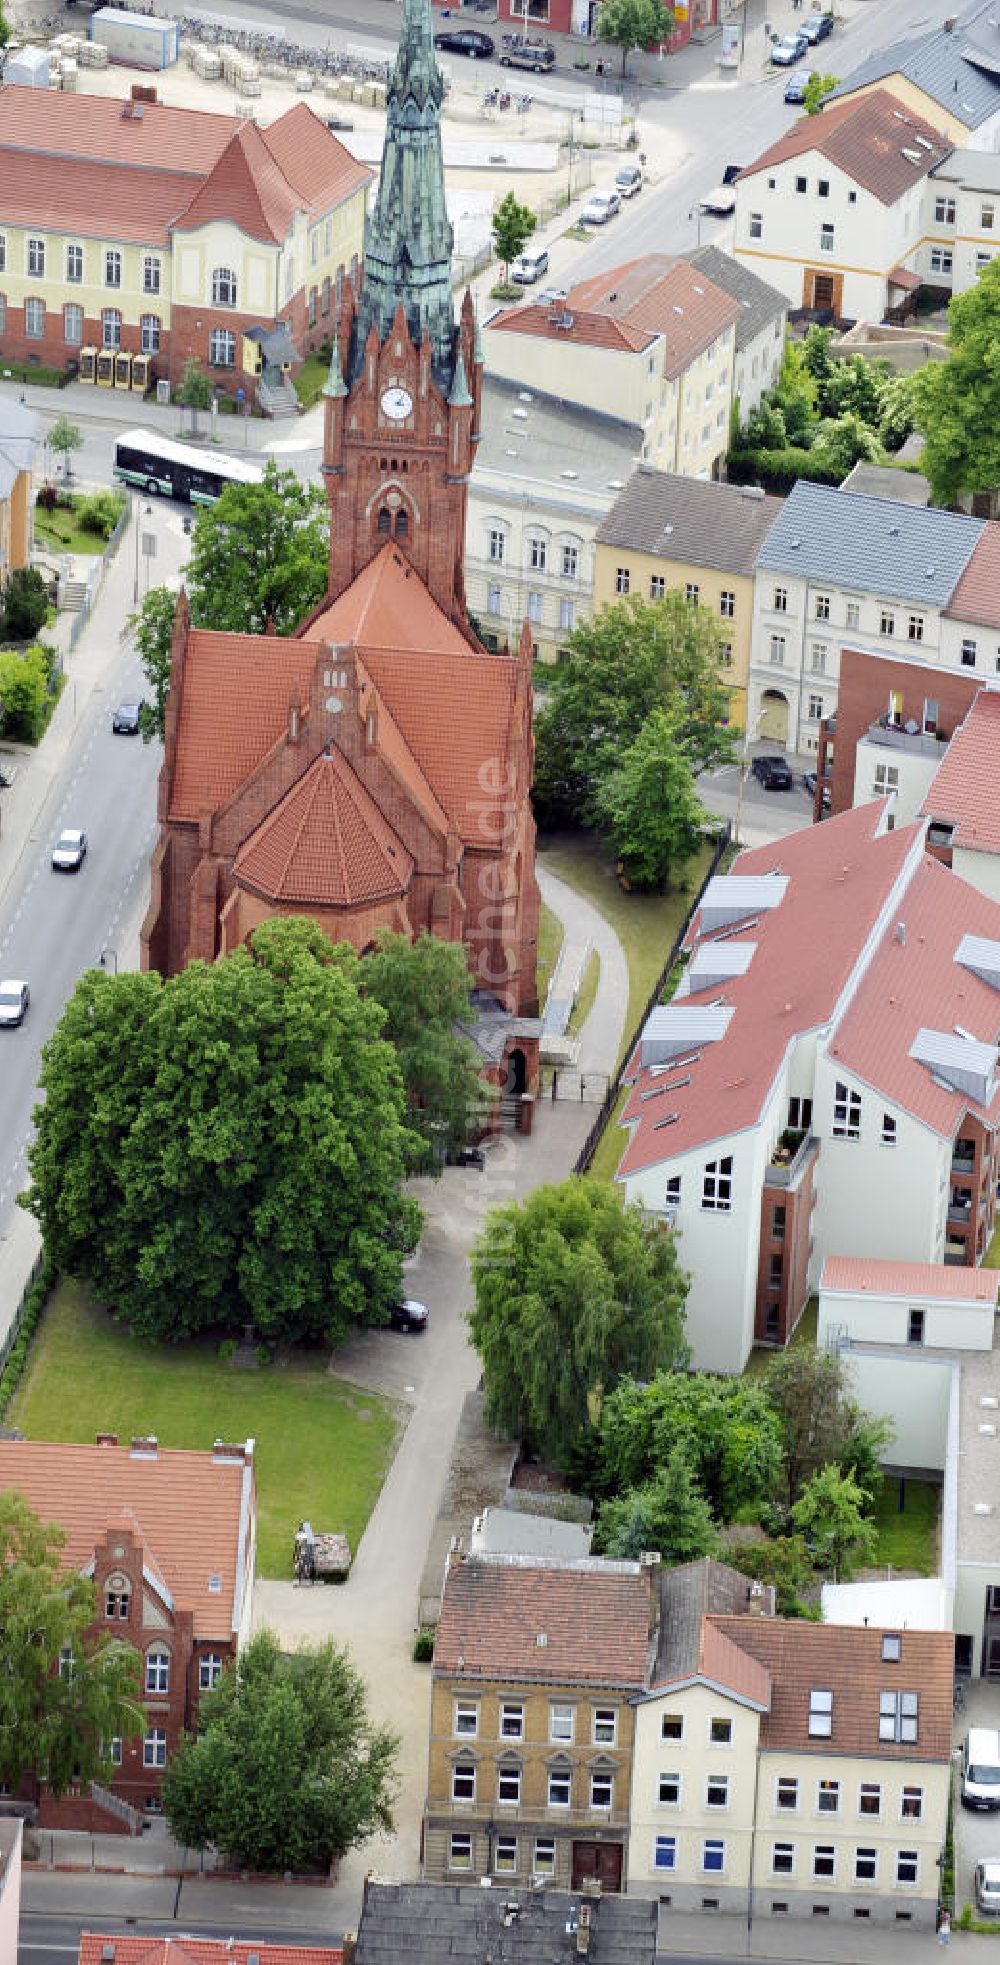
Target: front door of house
(601,1861)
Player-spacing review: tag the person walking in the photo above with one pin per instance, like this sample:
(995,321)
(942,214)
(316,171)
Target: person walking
(944,1928)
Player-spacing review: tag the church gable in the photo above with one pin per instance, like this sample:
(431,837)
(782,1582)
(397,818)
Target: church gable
(326,844)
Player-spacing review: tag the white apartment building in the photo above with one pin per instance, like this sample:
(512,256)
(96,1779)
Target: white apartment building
(824,1081)
(840,568)
(783,1768)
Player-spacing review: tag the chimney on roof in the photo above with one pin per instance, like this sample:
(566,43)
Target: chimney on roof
(650,1560)
(107,1439)
(240,1450)
(145,1446)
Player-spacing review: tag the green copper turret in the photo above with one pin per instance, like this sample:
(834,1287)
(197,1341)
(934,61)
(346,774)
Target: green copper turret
(408,238)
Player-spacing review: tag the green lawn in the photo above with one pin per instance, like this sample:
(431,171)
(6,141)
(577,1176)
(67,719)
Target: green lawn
(645,924)
(804,1333)
(61,532)
(991,1259)
(908,1539)
(611,1145)
(550,941)
(589,984)
(310,379)
(323,1446)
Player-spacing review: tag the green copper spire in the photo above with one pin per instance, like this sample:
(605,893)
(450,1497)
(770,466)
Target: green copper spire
(408,239)
(335,385)
(458,395)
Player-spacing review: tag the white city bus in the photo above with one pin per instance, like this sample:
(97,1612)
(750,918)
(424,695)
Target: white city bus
(155,463)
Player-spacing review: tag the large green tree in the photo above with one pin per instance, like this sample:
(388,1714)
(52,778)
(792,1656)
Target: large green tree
(64,1695)
(259,555)
(650,807)
(194,390)
(513,225)
(669,1513)
(151,627)
(628,24)
(956,403)
(821,1422)
(574,1290)
(832,1516)
(423,988)
(632,659)
(287,1771)
(228,1145)
(728,1429)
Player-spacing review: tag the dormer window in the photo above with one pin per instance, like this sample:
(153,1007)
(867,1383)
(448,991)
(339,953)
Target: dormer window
(892,1647)
(820,1715)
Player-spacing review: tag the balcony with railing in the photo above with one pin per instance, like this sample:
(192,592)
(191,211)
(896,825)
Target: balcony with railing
(790,1157)
(913,743)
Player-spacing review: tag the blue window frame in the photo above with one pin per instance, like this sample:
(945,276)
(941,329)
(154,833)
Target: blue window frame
(665,1852)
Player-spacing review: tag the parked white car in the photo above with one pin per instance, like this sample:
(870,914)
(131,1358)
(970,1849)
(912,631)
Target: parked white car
(602,206)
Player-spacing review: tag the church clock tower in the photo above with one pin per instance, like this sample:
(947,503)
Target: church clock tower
(404,390)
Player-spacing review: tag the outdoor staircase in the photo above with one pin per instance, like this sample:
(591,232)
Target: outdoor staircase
(73,595)
(278,398)
(113,1804)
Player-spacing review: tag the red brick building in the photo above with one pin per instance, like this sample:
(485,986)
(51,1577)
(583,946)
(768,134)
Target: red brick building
(169,1539)
(878,690)
(375,770)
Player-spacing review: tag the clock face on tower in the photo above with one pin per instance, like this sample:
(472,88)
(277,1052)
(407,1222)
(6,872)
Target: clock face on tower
(396,404)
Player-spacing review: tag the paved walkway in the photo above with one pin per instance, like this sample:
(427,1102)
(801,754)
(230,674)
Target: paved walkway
(583,924)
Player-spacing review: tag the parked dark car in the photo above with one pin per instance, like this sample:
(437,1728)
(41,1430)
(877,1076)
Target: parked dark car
(409,1315)
(809,783)
(466,41)
(773,772)
(467,1156)
(816,27)
(125,722)
(797,84)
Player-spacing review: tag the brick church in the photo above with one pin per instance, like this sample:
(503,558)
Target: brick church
(372,771)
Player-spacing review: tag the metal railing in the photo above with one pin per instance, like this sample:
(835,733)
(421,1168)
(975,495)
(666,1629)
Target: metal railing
(610,1100)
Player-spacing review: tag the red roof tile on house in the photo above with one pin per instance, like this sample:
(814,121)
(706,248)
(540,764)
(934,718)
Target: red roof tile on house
(964,791)
(839,877)
(388,606)
(861,1274)
(319,168)
(133,1950)
(915,983)
(233,708)
(95,129)
(726,1664)
(188,1510)
(977,597)
(51,194)
(245,188)
(586,1624)
(867,137)
(627,308)
(687,310)
(586,330)
(326,844)
(846,1660)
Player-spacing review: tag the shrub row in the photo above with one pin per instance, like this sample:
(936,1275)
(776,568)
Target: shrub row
(778,470)
(17,1358)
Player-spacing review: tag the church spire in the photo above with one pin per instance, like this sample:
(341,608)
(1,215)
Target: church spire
(408,239)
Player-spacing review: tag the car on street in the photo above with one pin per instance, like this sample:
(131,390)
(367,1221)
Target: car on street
(629,180)
(8,772)
(721,200)
(536,55)
(69,852)
(986,1881)
(809,783)
(467,1156)
(529,266)
(466,41)
(789,48)
(125,722)
(602,206)
(816,27)
(409,1316)
(14,999)
(773,772)
(797,84)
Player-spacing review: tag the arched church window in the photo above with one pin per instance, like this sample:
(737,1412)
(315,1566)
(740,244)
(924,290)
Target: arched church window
(384,521)
(402,525)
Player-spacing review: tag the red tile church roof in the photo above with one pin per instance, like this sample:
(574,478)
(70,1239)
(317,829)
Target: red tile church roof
(326,844)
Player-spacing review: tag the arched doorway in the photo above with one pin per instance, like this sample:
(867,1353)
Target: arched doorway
(517,1074)
(772,724)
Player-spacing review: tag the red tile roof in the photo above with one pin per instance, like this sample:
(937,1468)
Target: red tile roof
(867,138)
(688,310)
(964,790)
(188,1509)
(726,1664)
(79,163)
(861,1275)
(901,276)
(915,983)
(839,877)
(976,599)
(326,844)
(472,699)
(586,330)
(525,1621)
(846,1660)
(233,708)
(388,606)
(201,1951)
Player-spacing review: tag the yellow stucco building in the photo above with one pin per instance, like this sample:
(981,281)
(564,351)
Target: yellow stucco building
(18,443)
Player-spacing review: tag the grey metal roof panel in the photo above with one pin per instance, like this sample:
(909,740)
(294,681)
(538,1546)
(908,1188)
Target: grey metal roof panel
(907,552)
(974,170)
(426,1923)
(760,304)
(529,434)
(944,65)
(690,519)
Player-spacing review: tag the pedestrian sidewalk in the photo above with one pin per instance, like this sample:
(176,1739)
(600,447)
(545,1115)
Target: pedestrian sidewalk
(805,1941)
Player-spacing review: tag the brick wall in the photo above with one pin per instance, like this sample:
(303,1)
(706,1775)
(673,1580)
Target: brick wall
(865,683)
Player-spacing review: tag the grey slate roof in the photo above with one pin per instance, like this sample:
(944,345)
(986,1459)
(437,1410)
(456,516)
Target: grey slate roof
(944,65)
(19,432)
(717,525)
(541,437)
(687,1594)
(884,481)
(760,304)
(875,544)
(429,1923)
(514,1532)
(976,170)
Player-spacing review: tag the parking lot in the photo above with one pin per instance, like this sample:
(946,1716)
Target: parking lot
(977,1835)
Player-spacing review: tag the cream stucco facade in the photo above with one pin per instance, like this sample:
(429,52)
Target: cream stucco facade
(693,1797)
(849,1834)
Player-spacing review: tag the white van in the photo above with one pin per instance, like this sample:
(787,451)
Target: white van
(981,1768)
(629,180)
(529,266)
